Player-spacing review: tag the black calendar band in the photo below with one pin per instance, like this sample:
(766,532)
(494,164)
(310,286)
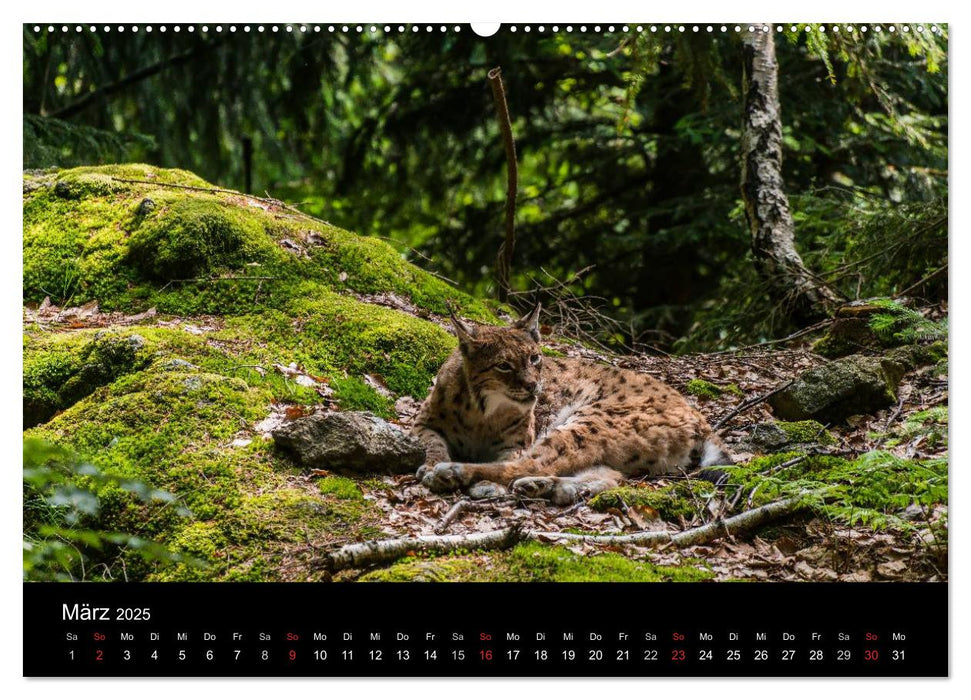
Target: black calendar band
(485,630)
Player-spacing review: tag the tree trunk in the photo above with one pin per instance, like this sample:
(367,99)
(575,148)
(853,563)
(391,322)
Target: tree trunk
(804,296)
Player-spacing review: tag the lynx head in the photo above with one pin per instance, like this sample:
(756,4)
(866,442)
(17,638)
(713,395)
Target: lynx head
(502,364)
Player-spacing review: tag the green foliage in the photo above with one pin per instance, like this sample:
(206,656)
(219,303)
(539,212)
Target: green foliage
(62,502)
(904,325)
(627,157)
(53,142)
(871,490)
(340,487)
(682,500)
(931,425)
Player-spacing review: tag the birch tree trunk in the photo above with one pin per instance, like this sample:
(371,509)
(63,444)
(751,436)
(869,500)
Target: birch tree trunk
(804,296)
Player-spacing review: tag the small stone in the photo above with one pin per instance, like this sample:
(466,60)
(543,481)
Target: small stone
(145,207)
(176,363)
(241,442)
(913,512)
(350,441)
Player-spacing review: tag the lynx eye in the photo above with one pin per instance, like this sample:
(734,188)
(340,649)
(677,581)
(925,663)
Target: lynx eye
(535,359)
(504,367)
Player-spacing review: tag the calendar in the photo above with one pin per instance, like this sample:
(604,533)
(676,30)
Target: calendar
(524,349)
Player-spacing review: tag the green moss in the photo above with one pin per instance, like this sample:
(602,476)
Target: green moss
(352,394)
(426,571)
(535,562)
(806,431)
(778,435)
(73,365)
(190,237)
(87,237)
(340,487)
(706,390)
(683,499)
(173,430)
(163,401)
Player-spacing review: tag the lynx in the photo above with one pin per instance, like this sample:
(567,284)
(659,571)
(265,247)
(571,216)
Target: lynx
(501,414)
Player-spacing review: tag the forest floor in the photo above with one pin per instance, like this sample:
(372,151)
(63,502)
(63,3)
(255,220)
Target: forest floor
(182,396)
(800,548)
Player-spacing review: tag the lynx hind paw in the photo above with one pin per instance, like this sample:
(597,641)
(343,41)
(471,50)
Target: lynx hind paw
(486,489)
(561,491)
(444,476)
(534,486)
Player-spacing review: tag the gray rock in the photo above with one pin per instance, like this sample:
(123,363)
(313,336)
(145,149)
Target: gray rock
(852,385)
(177,363)
(350,441)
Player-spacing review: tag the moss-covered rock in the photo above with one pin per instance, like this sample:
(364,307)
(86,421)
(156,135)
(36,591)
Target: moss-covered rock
(851,332)
(174,400)
(682,500)
(88,236)
(193,237)
(830,393)
(72,366)
(778,435)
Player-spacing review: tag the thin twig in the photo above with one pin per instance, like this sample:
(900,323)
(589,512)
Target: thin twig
(750,404)
(504,258)
(925,280)
(792,336)
(217,279)
(453,513)
(269,201)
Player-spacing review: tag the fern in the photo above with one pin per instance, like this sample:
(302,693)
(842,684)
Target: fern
(897,323)
(870,491)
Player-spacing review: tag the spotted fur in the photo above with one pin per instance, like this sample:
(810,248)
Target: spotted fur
(501,414)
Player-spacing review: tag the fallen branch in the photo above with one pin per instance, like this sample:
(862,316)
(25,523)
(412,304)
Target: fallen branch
(504,258)
(734,525)
(363,554)
(746,405)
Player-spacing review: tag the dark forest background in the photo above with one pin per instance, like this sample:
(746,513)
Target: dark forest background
(628,148)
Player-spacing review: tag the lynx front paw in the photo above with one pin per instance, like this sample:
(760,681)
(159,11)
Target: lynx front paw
(444,476)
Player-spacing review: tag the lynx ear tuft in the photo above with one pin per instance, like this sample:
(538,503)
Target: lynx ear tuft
(530,322)
(465,333)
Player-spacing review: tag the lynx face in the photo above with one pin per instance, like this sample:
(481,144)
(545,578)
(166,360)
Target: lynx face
(504,362)
(502,365)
